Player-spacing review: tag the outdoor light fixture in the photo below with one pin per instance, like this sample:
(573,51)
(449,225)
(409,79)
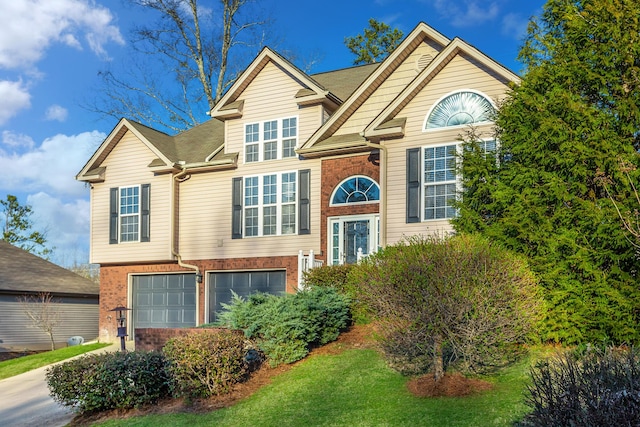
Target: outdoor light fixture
(198,277)
(122,324)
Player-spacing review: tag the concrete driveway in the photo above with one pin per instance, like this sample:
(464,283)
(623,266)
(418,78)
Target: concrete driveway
(25,400)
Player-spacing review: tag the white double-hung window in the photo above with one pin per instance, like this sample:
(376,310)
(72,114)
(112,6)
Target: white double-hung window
(439,181)
(270,204)
(271,139)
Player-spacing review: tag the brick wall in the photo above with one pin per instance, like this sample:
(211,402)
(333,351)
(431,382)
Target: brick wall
(114,283)
(336,170)
(150,339)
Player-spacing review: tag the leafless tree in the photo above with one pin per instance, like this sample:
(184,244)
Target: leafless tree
(43,311)
(182,64)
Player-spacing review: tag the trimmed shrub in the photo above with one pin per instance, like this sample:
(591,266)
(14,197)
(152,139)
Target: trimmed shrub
(206,363)
(337,277)
(592,388)
(120,380)
(461,299)
(286,327)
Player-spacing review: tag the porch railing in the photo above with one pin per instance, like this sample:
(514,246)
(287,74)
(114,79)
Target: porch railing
(306,263)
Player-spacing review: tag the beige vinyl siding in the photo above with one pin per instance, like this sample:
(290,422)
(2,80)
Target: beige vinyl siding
(271,96)
(377,101)
(205,200)
(126,165)
(460,73)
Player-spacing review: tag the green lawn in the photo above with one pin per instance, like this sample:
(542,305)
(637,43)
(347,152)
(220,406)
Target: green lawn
(12,367)
(355,388)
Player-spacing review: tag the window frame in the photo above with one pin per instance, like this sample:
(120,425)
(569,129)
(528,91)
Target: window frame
(136,215)
(286,195)
(457,181)
(442,98)
(143,214)
(434,184)
(344,181)
(263,130)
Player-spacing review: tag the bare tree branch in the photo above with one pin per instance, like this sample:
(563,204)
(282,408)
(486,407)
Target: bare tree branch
(43,311)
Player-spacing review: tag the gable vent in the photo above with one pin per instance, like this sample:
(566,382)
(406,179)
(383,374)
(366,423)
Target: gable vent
(423,61)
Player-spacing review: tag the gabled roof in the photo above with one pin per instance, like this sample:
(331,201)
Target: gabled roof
(198,145)
(21,271)
(386,124)
(373,81)
(230,105)
(343,83)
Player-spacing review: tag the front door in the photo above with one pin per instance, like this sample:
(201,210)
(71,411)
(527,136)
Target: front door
(352,237)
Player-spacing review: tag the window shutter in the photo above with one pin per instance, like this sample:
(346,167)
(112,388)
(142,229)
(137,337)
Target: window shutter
(113,216)
(145,213)
(413,185)
(304,195)
(236,218)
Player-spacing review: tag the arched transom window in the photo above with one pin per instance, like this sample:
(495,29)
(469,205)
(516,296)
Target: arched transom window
(460,108)
(356,189)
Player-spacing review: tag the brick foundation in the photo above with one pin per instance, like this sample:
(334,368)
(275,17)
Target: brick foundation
(114,282)
(153,339)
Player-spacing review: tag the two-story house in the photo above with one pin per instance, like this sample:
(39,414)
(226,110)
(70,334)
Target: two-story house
(335,164)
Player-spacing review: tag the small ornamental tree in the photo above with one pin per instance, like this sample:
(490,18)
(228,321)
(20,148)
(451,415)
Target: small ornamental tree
(461,298)
(43,311)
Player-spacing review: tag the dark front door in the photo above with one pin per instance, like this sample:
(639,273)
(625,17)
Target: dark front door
(356,236)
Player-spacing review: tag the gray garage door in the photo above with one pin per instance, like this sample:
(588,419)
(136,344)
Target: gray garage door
(243,283)
(164,301)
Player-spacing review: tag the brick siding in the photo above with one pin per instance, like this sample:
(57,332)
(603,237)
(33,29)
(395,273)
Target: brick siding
(154,339)
(114,282)
(336,170)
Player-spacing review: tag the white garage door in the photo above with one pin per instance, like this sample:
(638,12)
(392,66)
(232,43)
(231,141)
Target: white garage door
(243,283)
(164,301)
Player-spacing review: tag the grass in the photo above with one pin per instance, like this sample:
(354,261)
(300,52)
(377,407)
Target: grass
(355,388)
(20,365)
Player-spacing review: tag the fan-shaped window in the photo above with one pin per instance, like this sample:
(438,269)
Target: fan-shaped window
(357,189)
(460,108)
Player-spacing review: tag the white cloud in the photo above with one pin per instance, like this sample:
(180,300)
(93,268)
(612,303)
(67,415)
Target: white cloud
(29,27)
(467,13)
(514,25)
(14,97)
(17,140)
(51,167)
(66,224)
(56,112)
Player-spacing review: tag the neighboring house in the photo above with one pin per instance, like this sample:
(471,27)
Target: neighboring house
(25,274)
(331,164)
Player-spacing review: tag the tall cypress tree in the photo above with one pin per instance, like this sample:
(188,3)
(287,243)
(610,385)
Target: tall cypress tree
(575,114)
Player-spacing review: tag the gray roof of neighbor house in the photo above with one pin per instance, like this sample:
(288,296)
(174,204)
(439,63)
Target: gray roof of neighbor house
(21,271)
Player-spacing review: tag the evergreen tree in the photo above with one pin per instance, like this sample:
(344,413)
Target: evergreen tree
(375,44)
(17,227)
(575,115)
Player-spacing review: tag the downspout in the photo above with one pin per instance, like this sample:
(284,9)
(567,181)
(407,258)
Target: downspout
(180,177)
(383,188)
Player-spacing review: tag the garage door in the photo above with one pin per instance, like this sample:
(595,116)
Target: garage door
(164,301)
(243,283)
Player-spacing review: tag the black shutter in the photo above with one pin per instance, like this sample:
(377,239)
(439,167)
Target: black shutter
(304,205)
(145,211)
(236,218)
(113,216)
(413,185)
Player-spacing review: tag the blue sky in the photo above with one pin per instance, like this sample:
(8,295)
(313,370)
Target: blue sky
(51,52)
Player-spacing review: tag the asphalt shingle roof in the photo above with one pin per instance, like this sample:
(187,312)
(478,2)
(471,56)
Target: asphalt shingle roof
(23,271)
